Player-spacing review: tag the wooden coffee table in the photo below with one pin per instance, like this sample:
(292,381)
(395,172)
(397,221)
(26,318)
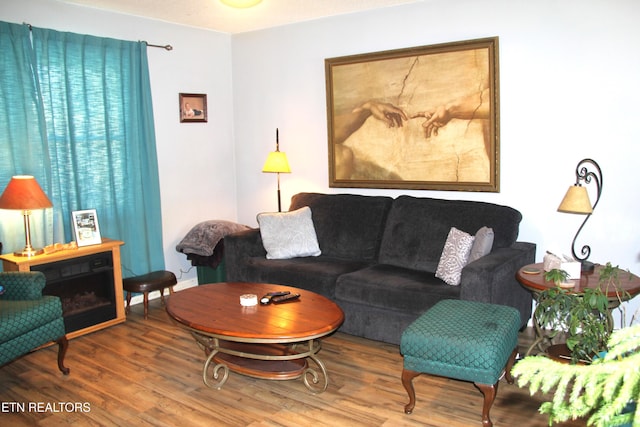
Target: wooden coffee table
(273,341)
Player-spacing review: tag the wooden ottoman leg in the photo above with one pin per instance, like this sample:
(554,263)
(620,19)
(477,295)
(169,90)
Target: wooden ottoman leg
(510,363)
(128,302)
(162,295)
(146,304)
(407,382)
(489,391)
(63,344)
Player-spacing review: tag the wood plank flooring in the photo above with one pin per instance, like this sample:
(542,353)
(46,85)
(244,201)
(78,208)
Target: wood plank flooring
(149,373)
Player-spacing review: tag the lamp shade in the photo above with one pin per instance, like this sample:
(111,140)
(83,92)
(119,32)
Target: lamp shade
(24,193)
(276,162)
(576,201)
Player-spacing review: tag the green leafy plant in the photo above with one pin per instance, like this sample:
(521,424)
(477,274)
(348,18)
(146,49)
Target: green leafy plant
(585,317)
(603,391)
(610,278)
(582,317)
(556,276)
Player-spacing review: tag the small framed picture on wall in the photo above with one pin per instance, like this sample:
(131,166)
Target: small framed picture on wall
(86,228)
(193,107)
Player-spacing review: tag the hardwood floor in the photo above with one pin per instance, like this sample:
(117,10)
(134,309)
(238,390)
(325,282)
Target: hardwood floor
(149,373)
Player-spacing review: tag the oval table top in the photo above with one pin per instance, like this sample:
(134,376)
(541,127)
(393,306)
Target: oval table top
(536,282)
(215,310)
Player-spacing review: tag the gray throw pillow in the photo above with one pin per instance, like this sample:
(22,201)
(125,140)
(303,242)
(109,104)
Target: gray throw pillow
(482,244)
(288,234)
(454,256)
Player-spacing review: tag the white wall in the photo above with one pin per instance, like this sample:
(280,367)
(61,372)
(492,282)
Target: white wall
(196,160)
(568,90)
(569,85)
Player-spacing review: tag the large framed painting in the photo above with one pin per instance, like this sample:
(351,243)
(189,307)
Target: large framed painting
(417,118)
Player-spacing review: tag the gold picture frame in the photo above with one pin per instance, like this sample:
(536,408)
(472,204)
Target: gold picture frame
(193,107)
(417,118)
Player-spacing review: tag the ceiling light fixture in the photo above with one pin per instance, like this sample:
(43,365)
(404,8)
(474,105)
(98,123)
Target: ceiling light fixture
(241,4)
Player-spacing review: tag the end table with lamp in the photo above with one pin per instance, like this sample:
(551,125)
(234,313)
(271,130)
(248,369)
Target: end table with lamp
(532,278)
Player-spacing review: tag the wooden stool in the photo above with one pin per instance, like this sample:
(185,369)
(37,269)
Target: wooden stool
(154,281)
(465,340)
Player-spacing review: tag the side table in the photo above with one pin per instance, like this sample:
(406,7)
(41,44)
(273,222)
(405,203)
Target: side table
(532,278)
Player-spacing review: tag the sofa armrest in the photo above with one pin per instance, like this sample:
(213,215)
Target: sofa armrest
(492,278)
(238,249)
(22,285)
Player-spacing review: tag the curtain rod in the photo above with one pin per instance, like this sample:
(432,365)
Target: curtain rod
(165,47)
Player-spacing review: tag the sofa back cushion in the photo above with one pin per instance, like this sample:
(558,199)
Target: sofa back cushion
(417,228)
(347,225)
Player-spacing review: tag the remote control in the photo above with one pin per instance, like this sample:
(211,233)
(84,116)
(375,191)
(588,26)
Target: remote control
(267,298)
(285,298)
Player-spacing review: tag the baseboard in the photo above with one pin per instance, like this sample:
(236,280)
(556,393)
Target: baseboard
(184,284)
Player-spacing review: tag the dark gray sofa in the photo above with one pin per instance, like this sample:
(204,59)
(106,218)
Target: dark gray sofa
(379,258)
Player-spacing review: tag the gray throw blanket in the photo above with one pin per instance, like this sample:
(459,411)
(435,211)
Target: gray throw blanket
(203,238)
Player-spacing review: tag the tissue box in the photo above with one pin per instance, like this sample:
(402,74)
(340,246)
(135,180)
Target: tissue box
(573,268)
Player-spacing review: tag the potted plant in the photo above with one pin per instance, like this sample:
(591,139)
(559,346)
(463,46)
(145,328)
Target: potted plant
(607,388)
(582,318)
(605,391)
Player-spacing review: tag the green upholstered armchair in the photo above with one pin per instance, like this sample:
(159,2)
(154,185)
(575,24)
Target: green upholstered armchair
(29,319)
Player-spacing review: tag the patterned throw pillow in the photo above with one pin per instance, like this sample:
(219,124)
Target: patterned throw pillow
(288,234)
(454,256)
(482,244)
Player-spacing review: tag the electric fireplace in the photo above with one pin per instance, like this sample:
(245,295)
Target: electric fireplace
(85,287)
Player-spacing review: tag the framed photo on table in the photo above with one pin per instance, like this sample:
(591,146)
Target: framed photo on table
(86,228)
(193,107)
(422,118)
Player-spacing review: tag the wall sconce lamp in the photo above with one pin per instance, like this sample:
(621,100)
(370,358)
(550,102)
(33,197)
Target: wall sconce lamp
(24,193)
(277,163)
(577,201)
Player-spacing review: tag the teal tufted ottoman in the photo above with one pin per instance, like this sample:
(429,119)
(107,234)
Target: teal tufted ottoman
(465,340)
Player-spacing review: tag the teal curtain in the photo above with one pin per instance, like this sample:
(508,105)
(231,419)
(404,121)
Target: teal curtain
(23,148)
(100,140)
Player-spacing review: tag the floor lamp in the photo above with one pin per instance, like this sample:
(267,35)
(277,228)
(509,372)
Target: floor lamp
(24,193)
(277,163)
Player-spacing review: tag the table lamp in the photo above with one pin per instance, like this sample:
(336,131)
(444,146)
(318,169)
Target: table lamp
(277,163)
(24,193)
(577,201)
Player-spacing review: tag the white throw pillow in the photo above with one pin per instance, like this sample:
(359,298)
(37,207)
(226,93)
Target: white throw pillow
(454,256)
(482,244)
(288,234)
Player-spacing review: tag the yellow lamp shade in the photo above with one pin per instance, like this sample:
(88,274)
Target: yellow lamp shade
(276,162)
(576,201)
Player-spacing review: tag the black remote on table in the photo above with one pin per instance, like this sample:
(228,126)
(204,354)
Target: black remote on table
(285,298)
(268,297)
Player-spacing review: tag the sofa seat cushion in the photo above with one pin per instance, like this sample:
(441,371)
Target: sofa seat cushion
(394,288)
(315,274)
(347,226)
(19,317)
(417,228)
